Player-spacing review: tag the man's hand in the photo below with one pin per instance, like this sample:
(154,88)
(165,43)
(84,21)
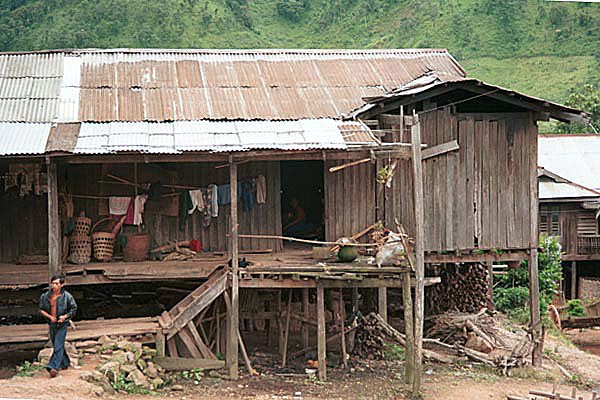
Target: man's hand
(62,318)
(52,319)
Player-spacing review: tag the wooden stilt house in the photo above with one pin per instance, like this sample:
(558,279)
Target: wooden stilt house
(88,125)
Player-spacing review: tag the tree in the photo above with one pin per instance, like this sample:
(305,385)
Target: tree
(587,98)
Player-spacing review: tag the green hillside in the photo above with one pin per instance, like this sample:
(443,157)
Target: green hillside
(543,48)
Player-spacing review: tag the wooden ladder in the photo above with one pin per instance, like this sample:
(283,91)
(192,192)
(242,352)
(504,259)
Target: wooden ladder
(180,319)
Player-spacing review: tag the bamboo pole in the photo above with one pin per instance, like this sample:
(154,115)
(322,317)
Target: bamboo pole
(321,340)
(342,316)
(292,239)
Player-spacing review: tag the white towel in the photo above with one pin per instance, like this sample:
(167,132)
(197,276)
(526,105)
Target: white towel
(138,208)
(118,205)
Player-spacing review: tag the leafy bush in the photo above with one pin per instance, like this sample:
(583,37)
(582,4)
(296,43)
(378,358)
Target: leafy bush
(575,308)
(512,293)
(291,9)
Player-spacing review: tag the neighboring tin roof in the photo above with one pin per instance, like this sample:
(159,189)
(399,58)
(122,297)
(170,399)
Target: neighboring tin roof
(574,157)
(431,84)
(555,187)
(23,138)
(215,136)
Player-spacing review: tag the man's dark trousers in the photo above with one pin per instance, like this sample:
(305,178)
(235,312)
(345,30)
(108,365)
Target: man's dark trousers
(60,358)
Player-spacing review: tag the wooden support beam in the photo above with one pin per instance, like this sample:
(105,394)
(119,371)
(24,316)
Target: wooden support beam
(354,299)
(321,339)
(382,302)
(233,325)
(440,149)
(172,346)
(342,320)
(534,288)
(573,279)
(160,344)
(409,366)
(287,329)
(305,314)
(490,291)
(54,238)
(186,364)
(419,307)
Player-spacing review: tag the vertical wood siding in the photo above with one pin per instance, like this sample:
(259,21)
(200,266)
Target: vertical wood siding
(477,197)
(349,199)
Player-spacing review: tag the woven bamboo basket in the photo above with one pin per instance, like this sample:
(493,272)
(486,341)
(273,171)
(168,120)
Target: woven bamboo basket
(80,249)
(83,226)
(104,242)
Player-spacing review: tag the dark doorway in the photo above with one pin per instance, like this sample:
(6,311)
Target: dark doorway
(302,192)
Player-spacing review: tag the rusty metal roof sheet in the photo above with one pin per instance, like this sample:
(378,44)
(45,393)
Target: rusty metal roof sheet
(219,136)
(159,85)
(19,138)
(554,187)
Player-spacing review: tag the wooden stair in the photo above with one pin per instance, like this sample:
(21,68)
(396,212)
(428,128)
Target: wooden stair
(179,321)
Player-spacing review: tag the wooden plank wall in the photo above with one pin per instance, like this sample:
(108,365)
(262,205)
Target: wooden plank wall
(570,216)
(262,219)
(349,199)
(476,197)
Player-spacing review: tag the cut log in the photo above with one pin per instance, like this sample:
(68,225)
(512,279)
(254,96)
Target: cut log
(186,364)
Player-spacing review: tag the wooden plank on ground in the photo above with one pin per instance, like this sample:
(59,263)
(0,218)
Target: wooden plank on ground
(186,364)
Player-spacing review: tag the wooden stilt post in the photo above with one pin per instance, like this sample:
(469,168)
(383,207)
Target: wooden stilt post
(490,291)
(233,325)
(54,239)
(288,316)
(534,284)
(342,316)
(305,313)
(280,327)
(409,366)
(321,340)
(382,302)
(419,306)
(573,280)
(354,299)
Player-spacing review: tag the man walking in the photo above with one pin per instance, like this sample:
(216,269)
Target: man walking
(58,307)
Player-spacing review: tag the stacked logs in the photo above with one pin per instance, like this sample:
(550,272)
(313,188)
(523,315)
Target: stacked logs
(369,339)
(463,289)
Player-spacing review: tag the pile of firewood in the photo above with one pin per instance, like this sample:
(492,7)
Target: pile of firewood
(481,337)
(174,251)
(369,339)
(463,289)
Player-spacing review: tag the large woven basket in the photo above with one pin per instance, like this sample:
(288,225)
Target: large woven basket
(83,226)
(80,249)
(104,243)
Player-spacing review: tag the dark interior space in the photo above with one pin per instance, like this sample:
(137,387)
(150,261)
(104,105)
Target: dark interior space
(302,181)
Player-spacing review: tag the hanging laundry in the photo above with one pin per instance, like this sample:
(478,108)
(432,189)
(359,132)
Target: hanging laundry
(212,189)
(261,189)
(130,212)
(118,205)
(247,195)
(185,204)
(224,194)
(197,198)
(139,202)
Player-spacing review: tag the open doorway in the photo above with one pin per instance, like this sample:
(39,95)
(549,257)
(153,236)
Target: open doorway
(302,199)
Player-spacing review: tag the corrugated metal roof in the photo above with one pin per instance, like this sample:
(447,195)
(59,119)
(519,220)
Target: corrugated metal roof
(18,138)
(217,136)
(30,86)
(432,80)
(560,190)
(245,84)
(574,157)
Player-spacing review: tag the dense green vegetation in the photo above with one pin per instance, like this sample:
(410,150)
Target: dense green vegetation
(511,291)
(545,48)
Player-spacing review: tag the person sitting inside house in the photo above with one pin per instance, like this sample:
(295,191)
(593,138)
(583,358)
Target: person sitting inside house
(297,224)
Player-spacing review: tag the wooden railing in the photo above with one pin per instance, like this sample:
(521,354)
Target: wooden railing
(588,244)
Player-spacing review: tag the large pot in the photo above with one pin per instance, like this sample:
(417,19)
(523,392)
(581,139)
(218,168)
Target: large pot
(137,247)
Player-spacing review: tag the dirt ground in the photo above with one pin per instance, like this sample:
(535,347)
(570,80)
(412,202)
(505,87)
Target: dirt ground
(366,380)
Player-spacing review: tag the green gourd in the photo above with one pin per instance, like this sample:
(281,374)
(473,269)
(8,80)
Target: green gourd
(347,253)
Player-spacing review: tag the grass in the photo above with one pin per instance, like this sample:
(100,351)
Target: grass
(28,369)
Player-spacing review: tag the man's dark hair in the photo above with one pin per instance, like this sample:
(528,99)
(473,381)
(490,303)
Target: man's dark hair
(58,276)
